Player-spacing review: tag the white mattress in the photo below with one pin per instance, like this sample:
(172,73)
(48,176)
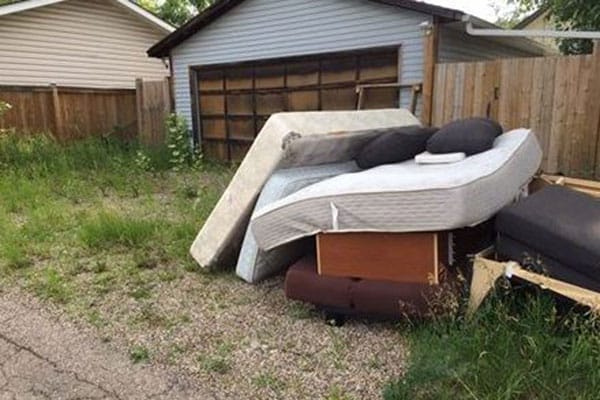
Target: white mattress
(406,197)
(286,140)
(254,264)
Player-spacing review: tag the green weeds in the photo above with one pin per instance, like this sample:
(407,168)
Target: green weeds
(517,346)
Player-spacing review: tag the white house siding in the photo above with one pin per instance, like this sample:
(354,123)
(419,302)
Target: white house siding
(263,29)
(78,43)
(457,46)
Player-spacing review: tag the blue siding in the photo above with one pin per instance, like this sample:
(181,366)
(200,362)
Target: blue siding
(263,29)
(457,46)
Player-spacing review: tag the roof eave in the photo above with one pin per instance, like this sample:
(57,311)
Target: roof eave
(163,48)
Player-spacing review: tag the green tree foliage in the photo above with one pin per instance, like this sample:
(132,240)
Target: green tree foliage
(176,12)
(580,15)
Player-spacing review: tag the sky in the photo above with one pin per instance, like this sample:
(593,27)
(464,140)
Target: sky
(479,8)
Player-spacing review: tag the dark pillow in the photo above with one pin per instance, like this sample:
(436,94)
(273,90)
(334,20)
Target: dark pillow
(395,146)
(469,136)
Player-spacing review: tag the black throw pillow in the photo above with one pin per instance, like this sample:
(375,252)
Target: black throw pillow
(395,146)
(469,136)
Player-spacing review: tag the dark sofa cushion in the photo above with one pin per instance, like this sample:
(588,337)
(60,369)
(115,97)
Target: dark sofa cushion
(358,296)
(395,146)
(559,223)
(469,136)
(511,249)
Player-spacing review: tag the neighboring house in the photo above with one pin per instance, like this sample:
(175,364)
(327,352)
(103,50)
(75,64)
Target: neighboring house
(78,43)
(242,60)
(540,20)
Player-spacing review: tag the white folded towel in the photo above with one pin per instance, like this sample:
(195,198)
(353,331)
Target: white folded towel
(446,158)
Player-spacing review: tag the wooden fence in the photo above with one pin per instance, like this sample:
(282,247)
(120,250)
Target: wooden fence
(70,113)
(74,113)
(558,97)
(153,106)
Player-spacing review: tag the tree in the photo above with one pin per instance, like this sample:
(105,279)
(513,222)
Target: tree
(176,12)
(579,15)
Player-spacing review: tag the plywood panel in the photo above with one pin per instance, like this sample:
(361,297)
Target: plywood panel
(397,257)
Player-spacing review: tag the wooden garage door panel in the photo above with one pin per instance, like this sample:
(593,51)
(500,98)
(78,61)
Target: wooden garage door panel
(339,70)
(241,128)
(210,80)
(234,101)
(307,100)
(213,128)
(240,104)
(212,104)
(302,74)
(239,150)
(338,99)
(215,150)
(380,98)
(379,66)
(239,78)
(268,77)
(267,104)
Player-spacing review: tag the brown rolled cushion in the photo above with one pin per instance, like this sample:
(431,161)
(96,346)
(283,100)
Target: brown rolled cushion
(365,297)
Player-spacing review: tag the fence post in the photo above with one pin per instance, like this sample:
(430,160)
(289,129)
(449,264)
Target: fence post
(58,119)
(139,101)
(430,59)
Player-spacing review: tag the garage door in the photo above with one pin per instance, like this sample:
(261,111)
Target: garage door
(234,101)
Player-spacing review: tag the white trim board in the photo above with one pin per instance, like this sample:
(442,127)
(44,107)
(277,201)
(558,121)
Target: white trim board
(134,8)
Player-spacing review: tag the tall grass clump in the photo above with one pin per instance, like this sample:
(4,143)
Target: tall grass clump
(516,347)
(107,230)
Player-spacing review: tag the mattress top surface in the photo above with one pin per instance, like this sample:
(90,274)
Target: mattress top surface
(410,176)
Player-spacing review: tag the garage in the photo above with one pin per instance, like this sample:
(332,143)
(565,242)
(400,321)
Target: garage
(233,101)
(239,61)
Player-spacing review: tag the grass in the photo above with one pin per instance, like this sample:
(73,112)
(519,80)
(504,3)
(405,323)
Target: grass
(83,222)
(519,346)
(139,354)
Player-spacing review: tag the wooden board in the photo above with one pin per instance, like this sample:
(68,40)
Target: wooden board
(397,257)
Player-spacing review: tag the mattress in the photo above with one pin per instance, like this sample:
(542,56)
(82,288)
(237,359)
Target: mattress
(254,264)
(406,197)
(286,140)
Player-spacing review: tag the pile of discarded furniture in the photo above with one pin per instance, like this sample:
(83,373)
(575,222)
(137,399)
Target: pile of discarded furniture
(368,212)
